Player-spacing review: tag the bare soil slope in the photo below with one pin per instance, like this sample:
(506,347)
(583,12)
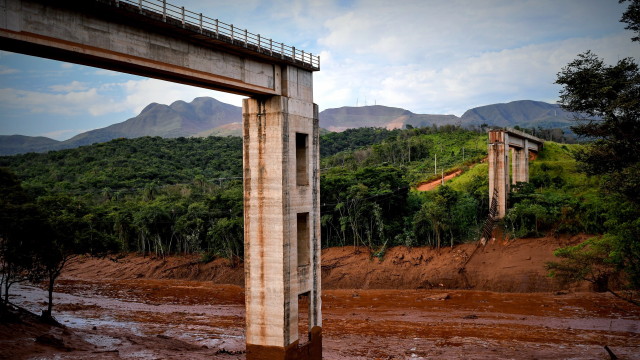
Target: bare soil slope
(502,265)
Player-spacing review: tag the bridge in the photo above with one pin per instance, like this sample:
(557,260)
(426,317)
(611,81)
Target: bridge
(280,133)
(501,173)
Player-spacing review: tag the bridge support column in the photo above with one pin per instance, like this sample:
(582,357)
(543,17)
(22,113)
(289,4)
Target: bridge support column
(524,163)
(499,173)
(501,143)
(282,227)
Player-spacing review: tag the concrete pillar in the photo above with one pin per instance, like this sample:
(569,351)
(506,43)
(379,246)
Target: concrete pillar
(500,142)
(524,162)
(499,171)
(282,226)
(520,163)
(516,165)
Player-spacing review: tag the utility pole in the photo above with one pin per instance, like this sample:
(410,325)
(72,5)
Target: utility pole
(435,164)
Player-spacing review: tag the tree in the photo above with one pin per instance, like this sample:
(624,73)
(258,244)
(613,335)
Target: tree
(72,232)
(21,225)
(607,97)
(632,17)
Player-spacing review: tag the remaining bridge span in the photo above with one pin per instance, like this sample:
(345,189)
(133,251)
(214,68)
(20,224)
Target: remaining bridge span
(154,39)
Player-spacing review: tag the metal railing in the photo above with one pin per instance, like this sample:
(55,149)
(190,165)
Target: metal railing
(222,31)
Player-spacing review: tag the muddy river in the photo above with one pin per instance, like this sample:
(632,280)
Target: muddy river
(180,319)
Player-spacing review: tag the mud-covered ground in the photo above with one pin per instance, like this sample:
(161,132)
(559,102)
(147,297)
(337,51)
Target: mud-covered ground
(409,304)
(186,319)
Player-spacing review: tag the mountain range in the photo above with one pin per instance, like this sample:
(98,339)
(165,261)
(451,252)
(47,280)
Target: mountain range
(206,116)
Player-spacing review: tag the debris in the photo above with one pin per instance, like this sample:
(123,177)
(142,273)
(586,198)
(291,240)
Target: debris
(611,354)
(470,316)
(229,352)
(443,296)
(51,340)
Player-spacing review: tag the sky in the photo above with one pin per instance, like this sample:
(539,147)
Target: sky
(426,56)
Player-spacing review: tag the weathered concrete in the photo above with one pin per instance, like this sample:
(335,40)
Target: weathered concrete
(501,143)
(96,34)
(282,220)
(281,142)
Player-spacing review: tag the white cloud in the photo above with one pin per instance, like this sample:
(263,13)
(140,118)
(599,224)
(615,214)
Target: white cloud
(66,65)
(63,134)
(72,103)
(526,72)
(5,70)
(72,86)
(104,72)
(439,31)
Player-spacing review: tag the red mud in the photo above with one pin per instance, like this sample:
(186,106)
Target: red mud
(502,265)
(144,311)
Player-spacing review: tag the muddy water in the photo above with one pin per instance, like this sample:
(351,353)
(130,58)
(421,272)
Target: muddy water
(175,319)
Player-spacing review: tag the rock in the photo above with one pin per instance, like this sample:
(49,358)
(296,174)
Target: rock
(443,296)
(51,340)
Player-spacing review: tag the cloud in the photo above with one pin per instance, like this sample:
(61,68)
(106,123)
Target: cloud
(64,134)
(72,86)
(71,103)
(76,98)
(5,70)
(431,30)
(104,72)
(66,65)
(526,72)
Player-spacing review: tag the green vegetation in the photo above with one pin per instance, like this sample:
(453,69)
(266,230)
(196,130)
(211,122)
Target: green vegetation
(128,164)
(422,153)
(367,198)
(608,97)
(169,196)
(351,139)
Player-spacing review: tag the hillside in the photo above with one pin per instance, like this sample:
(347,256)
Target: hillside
(515,265)
(18,144)
(125,164)
(230,129)
(374,169)
(208,117)
(179,119)
(379,116)
(523,113)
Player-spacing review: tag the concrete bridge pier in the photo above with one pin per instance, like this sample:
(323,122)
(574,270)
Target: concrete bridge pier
(520,163)
(501,172)
(282,227)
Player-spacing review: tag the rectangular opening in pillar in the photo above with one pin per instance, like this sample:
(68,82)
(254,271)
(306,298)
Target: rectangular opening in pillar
(302,159)
(303,319)
(304,255)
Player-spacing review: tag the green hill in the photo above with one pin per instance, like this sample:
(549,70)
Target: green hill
(186,193)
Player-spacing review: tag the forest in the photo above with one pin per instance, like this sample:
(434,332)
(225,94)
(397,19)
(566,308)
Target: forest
(161,197)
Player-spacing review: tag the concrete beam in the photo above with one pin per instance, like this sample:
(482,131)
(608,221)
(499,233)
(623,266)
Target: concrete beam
(86,33)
